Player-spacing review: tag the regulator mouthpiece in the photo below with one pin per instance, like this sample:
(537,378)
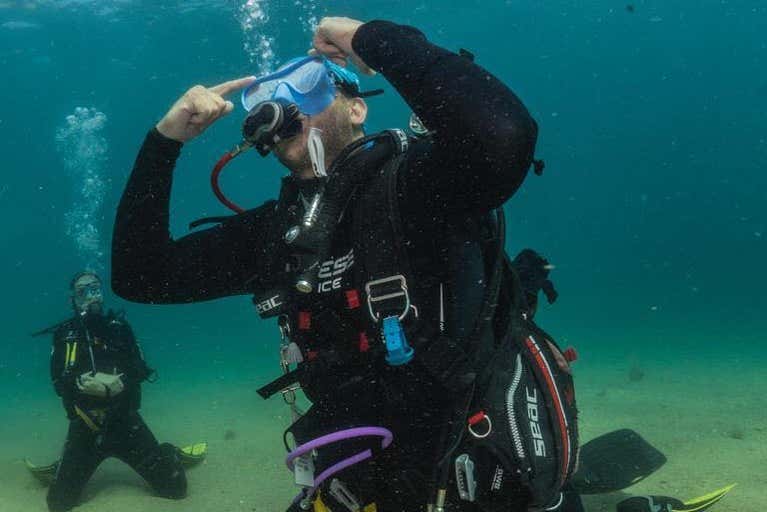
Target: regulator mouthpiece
(269,122)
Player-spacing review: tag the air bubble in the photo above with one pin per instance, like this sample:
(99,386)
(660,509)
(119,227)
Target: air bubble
(83,150)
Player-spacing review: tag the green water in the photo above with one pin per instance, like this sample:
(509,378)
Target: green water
(652,205)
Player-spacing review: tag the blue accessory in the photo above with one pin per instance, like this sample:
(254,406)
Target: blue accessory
(398,350)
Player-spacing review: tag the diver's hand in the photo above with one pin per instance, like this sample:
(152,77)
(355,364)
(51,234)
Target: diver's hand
(102,385)
(333,39)
(198,108)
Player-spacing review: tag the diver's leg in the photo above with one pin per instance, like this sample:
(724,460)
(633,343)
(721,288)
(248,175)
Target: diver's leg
(158,464)
(80,459)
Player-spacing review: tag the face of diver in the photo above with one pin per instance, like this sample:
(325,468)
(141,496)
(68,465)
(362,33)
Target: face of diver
(87,296)
(341,123)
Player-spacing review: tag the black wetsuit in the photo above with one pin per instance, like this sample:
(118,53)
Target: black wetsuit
(105,427)
(482,145)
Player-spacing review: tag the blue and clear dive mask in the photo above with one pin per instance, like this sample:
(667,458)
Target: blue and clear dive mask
(276,104)
(311,83)
(304,86)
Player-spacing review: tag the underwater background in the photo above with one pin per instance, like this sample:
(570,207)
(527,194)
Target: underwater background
(652,207)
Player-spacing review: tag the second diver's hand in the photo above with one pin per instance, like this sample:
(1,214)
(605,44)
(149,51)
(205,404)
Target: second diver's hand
(198,108)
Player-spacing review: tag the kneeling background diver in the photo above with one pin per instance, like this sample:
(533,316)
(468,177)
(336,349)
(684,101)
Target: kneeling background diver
(97,369)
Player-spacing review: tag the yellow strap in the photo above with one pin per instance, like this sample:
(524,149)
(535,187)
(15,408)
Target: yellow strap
(319,505)
(66,355)
(86,419)
(74,353)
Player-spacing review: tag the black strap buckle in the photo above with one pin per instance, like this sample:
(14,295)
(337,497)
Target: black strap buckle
(285,383)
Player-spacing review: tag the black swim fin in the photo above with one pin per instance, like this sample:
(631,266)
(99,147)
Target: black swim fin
(666,504)
(614,461)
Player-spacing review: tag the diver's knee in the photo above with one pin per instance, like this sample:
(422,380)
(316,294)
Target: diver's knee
(59,500)
(175,487)
(169,477)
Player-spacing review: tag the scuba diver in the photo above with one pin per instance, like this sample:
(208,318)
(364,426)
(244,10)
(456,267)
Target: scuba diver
(402,318)
(97,369)
(383,261)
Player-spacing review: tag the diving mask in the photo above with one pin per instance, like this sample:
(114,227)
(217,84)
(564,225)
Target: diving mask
(87,296)
(311,83)
(275,103)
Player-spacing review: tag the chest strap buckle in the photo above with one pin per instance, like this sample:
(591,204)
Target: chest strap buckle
(382,292)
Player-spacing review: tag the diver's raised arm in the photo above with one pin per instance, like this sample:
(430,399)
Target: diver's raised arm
(483,134)
(148,265)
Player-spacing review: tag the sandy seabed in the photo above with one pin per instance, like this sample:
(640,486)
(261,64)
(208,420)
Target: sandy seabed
(709,419)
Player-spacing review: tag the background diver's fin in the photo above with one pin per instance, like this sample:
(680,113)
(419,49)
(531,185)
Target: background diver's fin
(666,504)
(614,461)
(44,474)
(193,454)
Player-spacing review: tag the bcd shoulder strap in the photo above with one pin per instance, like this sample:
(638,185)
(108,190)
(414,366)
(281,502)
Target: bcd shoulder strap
(385,260)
